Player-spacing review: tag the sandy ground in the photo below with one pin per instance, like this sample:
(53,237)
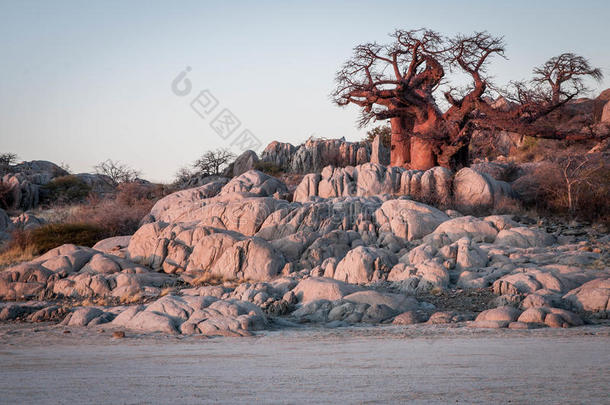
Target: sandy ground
(415,364)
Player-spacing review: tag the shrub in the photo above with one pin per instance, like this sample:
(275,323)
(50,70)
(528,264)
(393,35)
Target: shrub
(66,189)
(113,216)
(386,135)
(131,194)
(40,240)
(268,167)
(575,185)
(119,214)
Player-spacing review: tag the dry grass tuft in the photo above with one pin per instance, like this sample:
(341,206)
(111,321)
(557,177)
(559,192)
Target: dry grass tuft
(131,298)
(16,254)
(208,279)
(167,290)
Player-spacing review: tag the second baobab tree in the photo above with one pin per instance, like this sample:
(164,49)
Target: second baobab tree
(404,81)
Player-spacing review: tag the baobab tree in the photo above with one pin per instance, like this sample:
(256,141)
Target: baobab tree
(401,81)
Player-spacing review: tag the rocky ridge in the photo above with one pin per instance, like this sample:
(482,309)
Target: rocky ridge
(349,247)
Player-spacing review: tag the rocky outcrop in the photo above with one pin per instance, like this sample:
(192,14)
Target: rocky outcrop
(24,181)
(21,193)
(315,154)
(98,183)
(232,257)
(469,191)
(73,271)
(173,205)
(279,154)
(193,315)
(199,249)
(374,179)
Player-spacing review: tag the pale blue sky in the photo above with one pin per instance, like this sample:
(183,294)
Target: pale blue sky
(82,81)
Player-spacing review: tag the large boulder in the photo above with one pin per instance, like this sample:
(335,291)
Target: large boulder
(21,193)
(505,314)
(97,183)
(408,219)
(523,237)
(250,259)
(173,206)
(232,211)
(254,183)
(593,296)
(468,226)
(475,192)
(552,317)
(363,265)
(397,302)
(317,288)
(244,162)
(112,244)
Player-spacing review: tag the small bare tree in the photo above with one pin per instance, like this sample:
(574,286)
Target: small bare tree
(575,183)
(580,172)
(213,162)
(117,172)
(6,160)
(564,75)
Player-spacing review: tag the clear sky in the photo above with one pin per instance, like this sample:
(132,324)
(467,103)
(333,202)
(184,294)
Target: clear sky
(83,81)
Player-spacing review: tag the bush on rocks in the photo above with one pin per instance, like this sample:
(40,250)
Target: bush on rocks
(42,239)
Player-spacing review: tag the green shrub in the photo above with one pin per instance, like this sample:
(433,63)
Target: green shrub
(47,237)
(385,131)
(66,189)
(268,167)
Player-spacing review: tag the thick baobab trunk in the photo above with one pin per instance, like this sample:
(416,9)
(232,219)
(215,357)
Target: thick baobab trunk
(422,154)
(407,150)
(400,150)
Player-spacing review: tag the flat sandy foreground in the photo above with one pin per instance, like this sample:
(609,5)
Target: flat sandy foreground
(393,364)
